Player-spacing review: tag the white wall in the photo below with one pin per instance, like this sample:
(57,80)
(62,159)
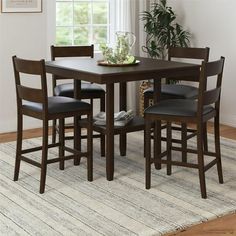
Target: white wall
(212,23)
(24,35)
(29,35)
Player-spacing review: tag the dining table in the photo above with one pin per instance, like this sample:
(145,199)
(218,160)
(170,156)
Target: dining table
(89,69)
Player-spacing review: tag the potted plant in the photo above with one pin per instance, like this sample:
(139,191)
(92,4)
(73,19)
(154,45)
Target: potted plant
(162,32)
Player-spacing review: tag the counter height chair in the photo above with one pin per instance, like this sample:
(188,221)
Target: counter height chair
(88,90)
(180,91)
(206,107)
(35,103)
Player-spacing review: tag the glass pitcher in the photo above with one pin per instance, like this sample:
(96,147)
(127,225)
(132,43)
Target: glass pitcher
(124,43)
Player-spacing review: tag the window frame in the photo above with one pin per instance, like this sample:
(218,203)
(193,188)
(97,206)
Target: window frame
(110,22)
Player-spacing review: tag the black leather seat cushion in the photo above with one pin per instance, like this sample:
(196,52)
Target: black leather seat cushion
(175,91)
(67,90)
(58,104)
(177,107)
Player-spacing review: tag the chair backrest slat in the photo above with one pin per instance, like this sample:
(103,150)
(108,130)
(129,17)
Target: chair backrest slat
(189,53)
(30,94)
(210,71)
(28,67)
(211,96)
(72,51)
(69,51)
(214,68)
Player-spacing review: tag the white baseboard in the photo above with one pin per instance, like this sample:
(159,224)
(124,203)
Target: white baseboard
(229,120)
(29,123)
(11,125)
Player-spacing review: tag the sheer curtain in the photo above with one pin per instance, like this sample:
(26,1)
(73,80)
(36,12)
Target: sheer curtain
(128,18)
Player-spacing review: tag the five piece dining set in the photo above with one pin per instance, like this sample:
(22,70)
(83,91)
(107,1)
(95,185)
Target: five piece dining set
(175,105)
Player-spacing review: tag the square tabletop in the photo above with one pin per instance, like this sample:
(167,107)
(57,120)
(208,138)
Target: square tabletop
(88,69)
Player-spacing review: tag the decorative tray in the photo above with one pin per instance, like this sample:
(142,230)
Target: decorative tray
(105,63)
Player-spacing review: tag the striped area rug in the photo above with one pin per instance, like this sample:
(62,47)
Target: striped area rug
(73,206)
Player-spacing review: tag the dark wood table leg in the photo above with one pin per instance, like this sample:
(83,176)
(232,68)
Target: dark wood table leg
(77,134)
(110,131)
(157,127)
(123,107)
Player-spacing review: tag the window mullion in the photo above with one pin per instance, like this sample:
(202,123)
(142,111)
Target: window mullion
(73,23)
(90,26)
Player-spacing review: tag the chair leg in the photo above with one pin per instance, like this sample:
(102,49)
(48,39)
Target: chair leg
(123,144)
(205,139)
(44,156)
(90,147)
(77,139)
(168,147)
(18,146)
(62,143)
(54,131)
(102,139)
(201,161)
(184,141)
(145,105)
(157,144)
(147,144)
(217,149)
(145,101)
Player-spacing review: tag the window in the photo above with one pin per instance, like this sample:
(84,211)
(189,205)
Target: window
(82,22)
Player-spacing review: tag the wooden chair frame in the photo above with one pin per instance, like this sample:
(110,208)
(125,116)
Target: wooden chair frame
(205,97)
(24,93)
(76,51)
(193,54)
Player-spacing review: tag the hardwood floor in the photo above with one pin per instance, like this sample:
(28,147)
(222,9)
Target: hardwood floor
(219,227)
(27,134)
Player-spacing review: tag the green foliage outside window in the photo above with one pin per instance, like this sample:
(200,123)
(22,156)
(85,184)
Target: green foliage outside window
(80,22)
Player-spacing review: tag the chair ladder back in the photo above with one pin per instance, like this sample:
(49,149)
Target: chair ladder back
(29,67)
(210,70)
(188,53)
(69,51)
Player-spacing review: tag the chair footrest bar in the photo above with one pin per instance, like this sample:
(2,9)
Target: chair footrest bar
(176,163)
(178,128)
(32,162)
(94,136)
(71,150)
(35,149)
(69,137)
(60,159)
(209,165)
(192,135)
(210,154)
(67,126)
(193,151)
(163,154)
(76,152)
(172,140)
